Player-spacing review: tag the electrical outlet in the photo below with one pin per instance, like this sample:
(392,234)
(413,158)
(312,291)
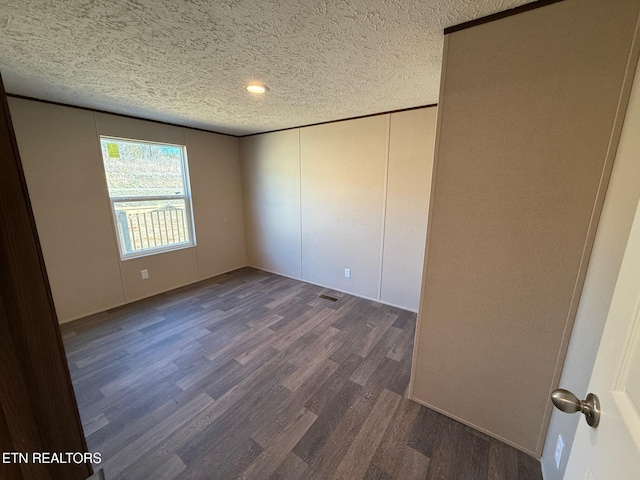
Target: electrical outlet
(559,448)
(144,273)
(347,273)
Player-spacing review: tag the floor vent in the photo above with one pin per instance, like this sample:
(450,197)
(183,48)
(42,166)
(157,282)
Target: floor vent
(327,297)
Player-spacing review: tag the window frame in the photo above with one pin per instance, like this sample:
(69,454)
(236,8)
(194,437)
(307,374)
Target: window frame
(187,197)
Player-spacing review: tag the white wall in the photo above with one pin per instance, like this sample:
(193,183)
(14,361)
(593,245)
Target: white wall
(350,194)
(60,152)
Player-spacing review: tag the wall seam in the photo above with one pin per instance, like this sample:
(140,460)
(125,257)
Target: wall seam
(432,197)
(384,204)
(242,200)
(300,196)
(245,204)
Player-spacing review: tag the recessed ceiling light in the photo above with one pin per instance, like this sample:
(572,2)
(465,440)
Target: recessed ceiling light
(255,88)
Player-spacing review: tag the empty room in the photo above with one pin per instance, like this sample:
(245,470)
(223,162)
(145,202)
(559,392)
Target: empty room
(320,240)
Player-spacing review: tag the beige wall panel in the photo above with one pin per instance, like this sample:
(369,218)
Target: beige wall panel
(271,194)
(219,243)
(166,271)
(527,108)
(63,167)
(214,168)
(343,169)
(411,143)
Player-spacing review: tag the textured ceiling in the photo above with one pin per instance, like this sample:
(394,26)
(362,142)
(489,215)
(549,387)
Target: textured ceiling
(186,61)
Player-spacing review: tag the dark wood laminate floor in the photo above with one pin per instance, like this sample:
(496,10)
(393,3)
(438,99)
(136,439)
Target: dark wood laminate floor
(252,375)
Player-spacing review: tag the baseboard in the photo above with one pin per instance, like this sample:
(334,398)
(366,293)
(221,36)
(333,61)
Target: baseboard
(137,299)
(335,289)
(88,314)
(116,305)
(476,427)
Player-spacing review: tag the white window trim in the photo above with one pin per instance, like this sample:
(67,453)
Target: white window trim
(187,197)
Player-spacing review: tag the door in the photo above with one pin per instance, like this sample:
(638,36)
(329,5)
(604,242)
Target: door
(612,450)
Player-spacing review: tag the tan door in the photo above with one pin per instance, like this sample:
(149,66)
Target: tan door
(612,450)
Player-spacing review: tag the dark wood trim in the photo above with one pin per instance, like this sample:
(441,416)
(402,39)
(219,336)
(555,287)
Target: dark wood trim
(499,15)
(343,119)
(23,97)
(89,109)
(37,398)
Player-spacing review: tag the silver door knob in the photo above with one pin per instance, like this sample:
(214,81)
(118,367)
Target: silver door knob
(567,402)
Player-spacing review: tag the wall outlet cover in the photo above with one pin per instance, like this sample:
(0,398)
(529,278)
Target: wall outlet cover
(347,273)
(144,273)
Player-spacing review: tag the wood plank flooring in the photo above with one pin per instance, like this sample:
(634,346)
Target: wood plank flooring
(252,375)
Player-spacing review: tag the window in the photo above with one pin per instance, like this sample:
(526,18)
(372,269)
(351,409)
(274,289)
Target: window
(150,196)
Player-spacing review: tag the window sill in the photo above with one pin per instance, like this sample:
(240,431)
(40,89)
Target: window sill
(147,253)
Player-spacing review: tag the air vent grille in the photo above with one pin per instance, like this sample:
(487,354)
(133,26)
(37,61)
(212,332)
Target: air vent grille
(327,297)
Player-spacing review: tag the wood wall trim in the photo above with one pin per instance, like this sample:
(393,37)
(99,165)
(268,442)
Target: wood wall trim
(343,119)
(18,428)
(89,109)
(39,408)
(95,110)
(499,15)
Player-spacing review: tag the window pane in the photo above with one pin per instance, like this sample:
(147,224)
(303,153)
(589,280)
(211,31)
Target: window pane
(141,169)
(144,225)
